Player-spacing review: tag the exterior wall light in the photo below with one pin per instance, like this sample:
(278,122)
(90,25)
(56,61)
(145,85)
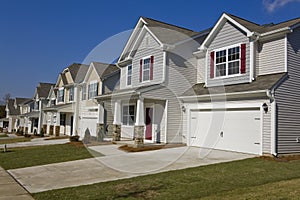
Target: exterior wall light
(183,109)
(265,107)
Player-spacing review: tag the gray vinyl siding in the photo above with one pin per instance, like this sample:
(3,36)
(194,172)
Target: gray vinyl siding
(148,47)
(201,70)
(227,36)
(174,113)
(111,84)
(288,101)
(266,130)
(270,57)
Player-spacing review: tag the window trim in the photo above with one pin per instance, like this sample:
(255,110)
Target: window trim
(215,60)
(63,96)
(144,58)
(127,75)
(97,89)
(130,104)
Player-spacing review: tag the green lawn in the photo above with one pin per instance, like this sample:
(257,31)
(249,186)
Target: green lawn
(14,140)
(3,135)
(255,178)
(40,155)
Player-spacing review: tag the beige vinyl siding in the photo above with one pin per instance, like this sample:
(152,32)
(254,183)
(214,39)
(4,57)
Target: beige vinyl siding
(227,36)
(288,101)
(148,47)
(201,70)
(271,57)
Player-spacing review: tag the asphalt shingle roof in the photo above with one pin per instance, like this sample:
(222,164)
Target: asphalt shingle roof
(262,82)
(104,69)
(11,107)
(43,89)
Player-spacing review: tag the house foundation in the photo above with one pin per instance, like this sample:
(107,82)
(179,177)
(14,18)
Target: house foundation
(57,130)
(139,135)
(100,131)
(116,132)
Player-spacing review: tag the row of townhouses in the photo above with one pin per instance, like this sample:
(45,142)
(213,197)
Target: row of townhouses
(232,87)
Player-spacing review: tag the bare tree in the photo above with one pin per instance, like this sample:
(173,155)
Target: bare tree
(5,98)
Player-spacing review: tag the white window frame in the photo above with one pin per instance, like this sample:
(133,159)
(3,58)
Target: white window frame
(93,93)
(83,92)
(143,71)
(63,95)
(71,94)
(129,75)
(128,115)
(227,62)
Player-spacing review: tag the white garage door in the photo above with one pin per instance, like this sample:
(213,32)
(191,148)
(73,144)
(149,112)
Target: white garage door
(88,124)
(234,130)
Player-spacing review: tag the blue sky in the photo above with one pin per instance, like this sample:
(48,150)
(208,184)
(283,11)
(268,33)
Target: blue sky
(38,39)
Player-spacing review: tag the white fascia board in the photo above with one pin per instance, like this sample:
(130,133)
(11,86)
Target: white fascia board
(284,30)
(88,72)
(136,28)
(218,25)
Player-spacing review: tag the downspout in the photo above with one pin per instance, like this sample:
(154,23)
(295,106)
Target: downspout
(271,96)
(163,83)
(253,56)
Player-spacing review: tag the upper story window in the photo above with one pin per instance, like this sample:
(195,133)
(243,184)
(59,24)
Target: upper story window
(61,95)
(93,90)
(71,94)
(52,102)
(128,116)
(129,74)
(146,69)
(83,92)
(36,105)
(228,61)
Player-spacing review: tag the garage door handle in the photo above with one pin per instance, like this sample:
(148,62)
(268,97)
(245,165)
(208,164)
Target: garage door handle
(193,137)
(258,143)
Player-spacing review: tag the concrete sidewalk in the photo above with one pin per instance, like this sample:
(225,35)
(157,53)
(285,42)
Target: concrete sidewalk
(35,142)
(10,189)
(117,165)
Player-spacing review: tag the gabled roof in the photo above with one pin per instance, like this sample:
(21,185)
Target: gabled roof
(43,89)
(81,73)
(250,28)
(104,69)
(163,33)
(75,69)
(168,33)
(20,101)
(263,82)
(11,107)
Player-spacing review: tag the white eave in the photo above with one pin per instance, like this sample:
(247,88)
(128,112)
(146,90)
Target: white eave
(218,25)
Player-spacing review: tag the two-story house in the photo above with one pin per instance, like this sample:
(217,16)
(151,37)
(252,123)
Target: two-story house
(13,112)
(246,96)
(157,65)
(100,79)
(61,109)
(34,117)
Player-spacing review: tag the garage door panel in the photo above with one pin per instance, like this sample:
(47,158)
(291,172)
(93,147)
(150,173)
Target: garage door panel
(230,130)
(88,125)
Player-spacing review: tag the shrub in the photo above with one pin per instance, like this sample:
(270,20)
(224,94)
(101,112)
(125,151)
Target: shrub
(74,138)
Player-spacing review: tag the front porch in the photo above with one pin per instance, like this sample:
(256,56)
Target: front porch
(142,120)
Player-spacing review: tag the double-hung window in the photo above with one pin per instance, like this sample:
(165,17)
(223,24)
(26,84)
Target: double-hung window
(83,92)
(71,94)
(128,116)
(93,90)
(60,95)
(146,69)
(228,62)
(129,74)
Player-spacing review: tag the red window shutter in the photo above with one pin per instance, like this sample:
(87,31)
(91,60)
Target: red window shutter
(243,58)
(141,70)
(151,67)
(212,64)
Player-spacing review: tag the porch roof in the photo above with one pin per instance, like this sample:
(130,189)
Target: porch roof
(33,114)
(65,108)
(131,92)
(260,85)
(4,120)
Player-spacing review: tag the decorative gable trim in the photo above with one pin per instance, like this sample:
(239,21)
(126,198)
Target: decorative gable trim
(223,19)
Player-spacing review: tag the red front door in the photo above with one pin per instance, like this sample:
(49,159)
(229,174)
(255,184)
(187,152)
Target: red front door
(149,114)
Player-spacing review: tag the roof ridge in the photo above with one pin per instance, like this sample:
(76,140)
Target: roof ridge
(242,19)
(103,63)
(287,21)
(170,24)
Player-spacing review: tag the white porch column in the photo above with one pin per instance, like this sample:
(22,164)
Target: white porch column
(100,119)
(140,116)
(117,113)
(57,119)
(76,110)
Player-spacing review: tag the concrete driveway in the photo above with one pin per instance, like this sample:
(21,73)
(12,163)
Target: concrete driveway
(117,164)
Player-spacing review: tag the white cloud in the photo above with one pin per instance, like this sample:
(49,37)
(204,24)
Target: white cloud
(272,5)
